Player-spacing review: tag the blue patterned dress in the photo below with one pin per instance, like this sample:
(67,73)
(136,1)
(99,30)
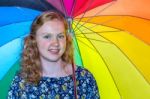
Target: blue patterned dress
(56,88)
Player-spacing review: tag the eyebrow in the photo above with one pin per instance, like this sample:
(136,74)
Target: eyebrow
(62,33)
(45,33)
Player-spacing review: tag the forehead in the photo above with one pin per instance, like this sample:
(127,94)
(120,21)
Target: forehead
(53,26)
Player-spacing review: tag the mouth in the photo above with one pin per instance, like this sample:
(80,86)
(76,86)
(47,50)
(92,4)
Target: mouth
(54,51)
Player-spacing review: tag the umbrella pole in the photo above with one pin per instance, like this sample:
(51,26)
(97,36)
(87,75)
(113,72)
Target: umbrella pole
(70,30)
(74,79)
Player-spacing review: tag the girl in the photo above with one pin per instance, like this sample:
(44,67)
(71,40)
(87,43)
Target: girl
(48,70)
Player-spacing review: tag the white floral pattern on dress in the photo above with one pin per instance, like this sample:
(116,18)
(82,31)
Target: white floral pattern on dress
(56,88)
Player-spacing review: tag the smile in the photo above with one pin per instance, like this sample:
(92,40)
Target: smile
(54,51)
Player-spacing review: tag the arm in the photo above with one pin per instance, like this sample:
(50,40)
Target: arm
(93,92)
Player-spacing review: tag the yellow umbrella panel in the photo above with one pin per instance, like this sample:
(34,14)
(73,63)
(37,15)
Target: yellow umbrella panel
(115,58)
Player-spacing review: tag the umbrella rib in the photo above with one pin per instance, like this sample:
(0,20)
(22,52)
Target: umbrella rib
(97,13)
(93,39)
(72,10)
(103,61)
(63,7)
(93,33)
(77,46)
(104,23)
(122,53)
(78,50)
(86,45)
(90,3)
(99,32)
(16,22)
(42,4)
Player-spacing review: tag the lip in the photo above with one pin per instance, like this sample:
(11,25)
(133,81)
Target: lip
(54,51)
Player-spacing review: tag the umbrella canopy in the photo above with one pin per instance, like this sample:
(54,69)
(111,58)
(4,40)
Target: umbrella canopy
(106,42)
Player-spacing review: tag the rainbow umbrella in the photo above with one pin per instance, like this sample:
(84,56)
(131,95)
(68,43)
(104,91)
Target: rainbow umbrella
(105,39)
(124,46)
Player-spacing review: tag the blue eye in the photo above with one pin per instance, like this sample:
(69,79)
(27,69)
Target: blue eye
(47,36)
(61,36)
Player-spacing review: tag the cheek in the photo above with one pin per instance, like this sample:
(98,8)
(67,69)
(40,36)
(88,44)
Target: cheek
(42,44)
(63,43)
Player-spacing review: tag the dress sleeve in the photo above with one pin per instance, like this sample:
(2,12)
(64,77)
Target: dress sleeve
(16,88)
(93,92)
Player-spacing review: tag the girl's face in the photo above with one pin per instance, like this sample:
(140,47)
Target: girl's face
(51,40)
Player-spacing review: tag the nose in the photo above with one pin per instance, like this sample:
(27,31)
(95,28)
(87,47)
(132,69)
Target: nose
(55,42)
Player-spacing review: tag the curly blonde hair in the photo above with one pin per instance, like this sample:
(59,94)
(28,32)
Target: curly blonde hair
(31,65)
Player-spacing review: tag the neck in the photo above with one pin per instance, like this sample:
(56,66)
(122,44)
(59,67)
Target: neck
(53,69)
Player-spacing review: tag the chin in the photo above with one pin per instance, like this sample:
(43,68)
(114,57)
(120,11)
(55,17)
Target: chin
(50,58)
(54,60)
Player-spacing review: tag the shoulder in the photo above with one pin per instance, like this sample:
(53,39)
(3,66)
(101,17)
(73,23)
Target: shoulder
(17,81)
(87,83)
(84,73)
(18,78)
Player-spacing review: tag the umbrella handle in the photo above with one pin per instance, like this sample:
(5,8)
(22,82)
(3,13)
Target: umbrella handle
(69,21)
(74,79)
